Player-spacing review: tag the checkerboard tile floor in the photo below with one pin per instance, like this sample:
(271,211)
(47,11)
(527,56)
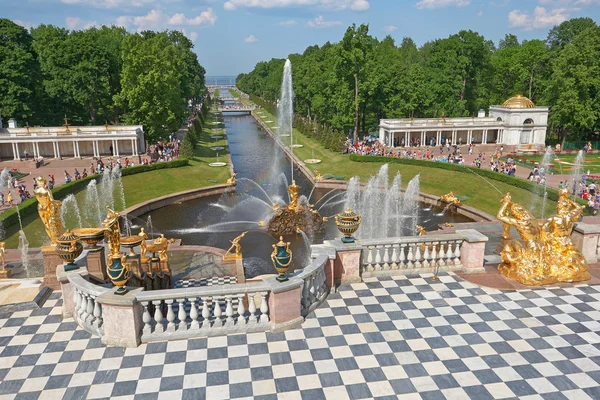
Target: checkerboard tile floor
(224,280)
(407,337)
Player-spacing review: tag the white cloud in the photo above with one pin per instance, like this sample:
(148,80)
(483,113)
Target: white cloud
(111,3)
(390,28)
(24,24)
(193,36)
(319,22)
(337,5)
(250,39)
(433,4)
(288,24)
(541,18)
(480,14)
(74,23)
(157,20)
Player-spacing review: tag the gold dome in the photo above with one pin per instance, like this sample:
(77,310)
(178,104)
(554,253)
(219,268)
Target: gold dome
(519,101)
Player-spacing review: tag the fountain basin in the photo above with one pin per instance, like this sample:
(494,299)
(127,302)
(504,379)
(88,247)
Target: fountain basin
(284,135)
(297,146)
(217,164)
(217,137)
(217,148)
(312,161)
(131,242)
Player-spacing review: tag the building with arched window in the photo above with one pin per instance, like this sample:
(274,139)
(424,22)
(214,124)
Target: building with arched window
(518,122)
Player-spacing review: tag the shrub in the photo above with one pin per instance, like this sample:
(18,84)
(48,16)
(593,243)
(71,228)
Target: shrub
(188,146)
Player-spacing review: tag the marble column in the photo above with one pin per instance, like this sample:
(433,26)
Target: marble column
(17,151)
(77,147)
(117,146)
(74,150)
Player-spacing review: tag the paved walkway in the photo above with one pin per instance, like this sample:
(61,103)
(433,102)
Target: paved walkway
(408,337)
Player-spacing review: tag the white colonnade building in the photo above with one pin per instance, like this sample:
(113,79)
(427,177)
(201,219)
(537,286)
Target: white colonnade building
(517,122)
(70,141)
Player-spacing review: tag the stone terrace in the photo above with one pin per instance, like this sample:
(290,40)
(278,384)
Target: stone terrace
(382,338)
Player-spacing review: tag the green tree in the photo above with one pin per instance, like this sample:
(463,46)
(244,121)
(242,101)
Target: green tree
(19,72)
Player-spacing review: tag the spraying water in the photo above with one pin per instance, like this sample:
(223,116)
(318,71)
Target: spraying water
(118,184)
(107,191)
(24,247)
(149,227)
(70,207)
(578,168)
(92,202)
(540,191)
(410,206)
(285,111)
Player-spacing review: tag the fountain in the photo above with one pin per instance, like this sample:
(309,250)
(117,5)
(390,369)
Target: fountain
(217,163)
(93,212)
(116,176)
(578,168)
(70,208)
(539,194)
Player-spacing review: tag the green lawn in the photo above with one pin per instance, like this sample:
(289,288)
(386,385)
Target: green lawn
(217,94)
(435,181)
(234,93)
(564,163)
(146,186)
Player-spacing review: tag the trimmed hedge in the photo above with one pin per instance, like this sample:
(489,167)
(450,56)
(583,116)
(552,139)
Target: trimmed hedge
(28,207)
(496,176)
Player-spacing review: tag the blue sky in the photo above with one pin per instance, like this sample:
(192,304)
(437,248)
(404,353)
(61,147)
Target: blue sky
(231,36)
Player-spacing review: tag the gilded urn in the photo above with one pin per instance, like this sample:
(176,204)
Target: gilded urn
(118,272)
(282,258)
(69,248)
(347,222)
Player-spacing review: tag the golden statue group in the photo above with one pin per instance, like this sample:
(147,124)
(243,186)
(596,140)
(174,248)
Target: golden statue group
(547,254)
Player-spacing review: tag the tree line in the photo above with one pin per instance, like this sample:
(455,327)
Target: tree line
(353,83)
(97,76)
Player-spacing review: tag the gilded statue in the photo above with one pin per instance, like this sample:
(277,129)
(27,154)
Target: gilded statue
(293,190)
(143,247)
(161,246)
(232,180)
(4,273)
(318,176)
(49,210)
(235,244)
(113,233)
(421,230)
(547,254)
(450,198)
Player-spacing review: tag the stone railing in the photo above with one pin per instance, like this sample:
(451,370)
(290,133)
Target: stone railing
(414,254)
(204,311)
(314,288)
(87,312)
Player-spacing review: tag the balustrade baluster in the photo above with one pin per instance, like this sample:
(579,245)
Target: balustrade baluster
(409,256)
(417,256)
(402,263)
(370,258)
(252,308)
(83,308)
(205,313)
(394,257)
(158,317)
(386,257)
(229,311)
(449,255)
(378,258)
(264,307)
(217,312)
(241,310)
(97,314)
(426,256)
(147,318)
(170,316)
(442,255)
(182,315)
(193,314)
(90,309)
(434,255)
(457,260)
(306,294)
(312,291)
(77,300)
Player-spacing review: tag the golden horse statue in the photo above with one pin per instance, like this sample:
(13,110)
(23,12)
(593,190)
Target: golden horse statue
(160,246)
(49,210)
(547,254)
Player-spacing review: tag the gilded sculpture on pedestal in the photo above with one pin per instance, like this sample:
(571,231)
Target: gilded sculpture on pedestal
(293,190)
(547,254)
(235,244)
(112,233)
(450,198)
(49,210)
(143,246)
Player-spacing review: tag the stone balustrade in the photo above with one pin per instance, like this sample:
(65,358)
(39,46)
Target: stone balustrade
(148,316)
(586,237)
(204,311)
(414,254)
(87,312)
(314,289)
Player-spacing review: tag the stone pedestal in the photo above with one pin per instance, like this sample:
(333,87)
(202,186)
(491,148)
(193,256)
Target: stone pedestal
(62,277)
(51,261)
(135,264)
(284,301)
(96,263)
(4,273)
(240,273)
(122,318)
(472,250)
(347,264)
(585,239)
